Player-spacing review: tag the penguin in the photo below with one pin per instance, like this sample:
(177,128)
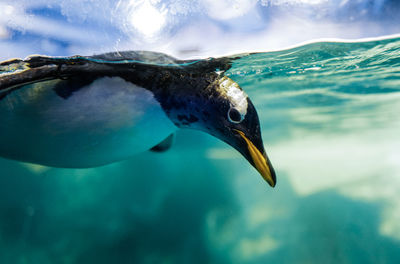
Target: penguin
(88,111)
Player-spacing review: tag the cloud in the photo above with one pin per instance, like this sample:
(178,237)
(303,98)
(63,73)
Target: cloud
(206,28)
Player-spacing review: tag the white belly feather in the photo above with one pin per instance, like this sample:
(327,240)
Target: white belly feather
(106,121)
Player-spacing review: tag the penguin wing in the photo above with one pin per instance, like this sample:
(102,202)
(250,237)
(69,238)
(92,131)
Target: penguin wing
(16,73)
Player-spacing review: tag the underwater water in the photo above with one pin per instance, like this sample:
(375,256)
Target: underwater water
(329,113)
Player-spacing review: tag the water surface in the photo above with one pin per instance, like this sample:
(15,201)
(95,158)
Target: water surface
(330,120)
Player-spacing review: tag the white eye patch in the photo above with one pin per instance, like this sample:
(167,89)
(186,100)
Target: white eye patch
(235,95)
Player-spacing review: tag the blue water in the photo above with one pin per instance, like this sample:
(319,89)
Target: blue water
(330,121)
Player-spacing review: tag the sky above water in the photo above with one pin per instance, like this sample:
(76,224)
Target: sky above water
(186,28)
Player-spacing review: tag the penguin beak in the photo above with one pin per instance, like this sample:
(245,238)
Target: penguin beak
(260,160)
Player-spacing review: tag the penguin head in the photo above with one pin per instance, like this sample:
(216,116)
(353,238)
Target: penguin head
(224,110)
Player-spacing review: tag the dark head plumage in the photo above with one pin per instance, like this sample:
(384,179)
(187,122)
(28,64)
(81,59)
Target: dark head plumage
(217,105)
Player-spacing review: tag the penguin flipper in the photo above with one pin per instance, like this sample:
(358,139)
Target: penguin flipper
(164,145)
(17,73)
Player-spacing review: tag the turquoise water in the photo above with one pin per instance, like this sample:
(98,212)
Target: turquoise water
(330,121)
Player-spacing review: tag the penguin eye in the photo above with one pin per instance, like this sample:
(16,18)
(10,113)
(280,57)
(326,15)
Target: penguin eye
(234,116)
